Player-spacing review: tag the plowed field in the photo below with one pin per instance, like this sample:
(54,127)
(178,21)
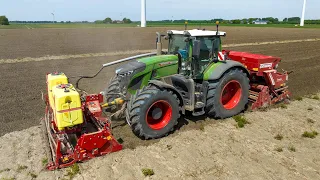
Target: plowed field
(22,82)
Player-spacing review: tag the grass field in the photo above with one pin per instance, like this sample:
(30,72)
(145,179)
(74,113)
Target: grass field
(191,25)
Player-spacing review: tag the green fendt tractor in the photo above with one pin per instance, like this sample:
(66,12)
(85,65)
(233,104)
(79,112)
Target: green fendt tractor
(192,75)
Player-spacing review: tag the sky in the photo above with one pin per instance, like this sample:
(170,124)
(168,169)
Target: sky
(91,10)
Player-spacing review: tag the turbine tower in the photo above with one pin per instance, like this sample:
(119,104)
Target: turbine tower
(143,13)
(53,17)
(303,13)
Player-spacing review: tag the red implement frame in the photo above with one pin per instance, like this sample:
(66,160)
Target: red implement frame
(267,85)
(91,139)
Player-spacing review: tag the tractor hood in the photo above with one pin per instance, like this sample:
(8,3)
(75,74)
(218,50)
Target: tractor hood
(142,63)
(137,73)
(159,59)
(130,67)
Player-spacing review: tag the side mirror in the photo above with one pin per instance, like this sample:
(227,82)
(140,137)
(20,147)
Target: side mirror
(196,48)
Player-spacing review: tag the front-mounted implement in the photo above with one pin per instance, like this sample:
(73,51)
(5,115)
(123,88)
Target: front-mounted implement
(74,126)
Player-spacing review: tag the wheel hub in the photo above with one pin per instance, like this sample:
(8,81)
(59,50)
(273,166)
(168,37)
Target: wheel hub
(231,95)
(156,113)
(159,115)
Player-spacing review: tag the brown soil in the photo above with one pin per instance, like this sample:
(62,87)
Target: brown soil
(23,43)
(217,150)
(22,83)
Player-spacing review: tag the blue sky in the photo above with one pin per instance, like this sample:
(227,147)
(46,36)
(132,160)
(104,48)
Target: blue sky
(90,10)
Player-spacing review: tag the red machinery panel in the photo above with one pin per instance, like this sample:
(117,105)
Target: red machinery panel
(269,89)
(255,62)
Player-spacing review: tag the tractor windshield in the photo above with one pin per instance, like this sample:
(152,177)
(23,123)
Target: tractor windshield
(177,44)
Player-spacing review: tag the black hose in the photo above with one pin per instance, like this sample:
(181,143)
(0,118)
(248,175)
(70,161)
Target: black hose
(87,77)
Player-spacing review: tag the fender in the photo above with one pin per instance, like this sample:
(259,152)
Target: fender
(216,70)
(162,85)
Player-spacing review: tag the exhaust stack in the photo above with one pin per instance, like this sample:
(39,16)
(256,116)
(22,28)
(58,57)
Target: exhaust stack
(159,44)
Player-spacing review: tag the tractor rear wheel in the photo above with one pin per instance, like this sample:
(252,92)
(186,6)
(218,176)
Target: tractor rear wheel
(153,113)
(111,91)
(229,95)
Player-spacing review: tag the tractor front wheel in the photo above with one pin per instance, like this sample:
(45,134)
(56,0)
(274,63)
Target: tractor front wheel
(153,113)
(111,93)
(229,95)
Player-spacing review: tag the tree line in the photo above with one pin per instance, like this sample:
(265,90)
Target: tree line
(268,20)
(108,20)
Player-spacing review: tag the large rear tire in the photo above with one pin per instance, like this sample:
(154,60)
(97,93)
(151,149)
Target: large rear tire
(153,113)
(111,91)
(229,95)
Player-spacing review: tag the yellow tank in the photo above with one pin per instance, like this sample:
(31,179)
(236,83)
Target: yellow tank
(53,80)
(67,106)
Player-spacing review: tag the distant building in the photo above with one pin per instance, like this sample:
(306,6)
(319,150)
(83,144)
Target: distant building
(117,22)
(259,22)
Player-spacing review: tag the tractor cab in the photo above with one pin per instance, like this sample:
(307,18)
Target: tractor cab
(196,49)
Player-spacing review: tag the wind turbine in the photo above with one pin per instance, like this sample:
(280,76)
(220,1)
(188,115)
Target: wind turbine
(303,13)
(53,17)
(143,13)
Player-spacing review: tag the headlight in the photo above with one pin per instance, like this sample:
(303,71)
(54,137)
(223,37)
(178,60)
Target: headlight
(118,70)
(126,74)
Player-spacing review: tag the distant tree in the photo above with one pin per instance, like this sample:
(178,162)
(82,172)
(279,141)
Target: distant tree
(312,21)
(62,22)
(291,20)
(215,20)
(271,20)
(245,21)
(107,20)
(4,20)
(126,21)
(236,21)
(294,19)
(98,21)
(252,19)
(225,22)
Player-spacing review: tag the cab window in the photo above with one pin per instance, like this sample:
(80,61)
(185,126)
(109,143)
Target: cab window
(207,45)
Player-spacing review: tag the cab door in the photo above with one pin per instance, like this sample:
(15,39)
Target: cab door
(209,48)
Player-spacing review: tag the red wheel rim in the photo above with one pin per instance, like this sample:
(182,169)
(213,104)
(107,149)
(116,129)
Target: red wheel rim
(231,94)
(159,115)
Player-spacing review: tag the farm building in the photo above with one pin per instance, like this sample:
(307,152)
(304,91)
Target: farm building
(260,22)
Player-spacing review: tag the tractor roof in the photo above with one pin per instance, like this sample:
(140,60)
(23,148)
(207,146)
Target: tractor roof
(196,32)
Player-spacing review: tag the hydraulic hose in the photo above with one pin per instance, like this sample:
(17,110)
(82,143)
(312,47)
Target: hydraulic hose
(113,63)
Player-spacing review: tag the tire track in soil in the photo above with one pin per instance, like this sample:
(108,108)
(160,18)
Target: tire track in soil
(61,57)
(20,43)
